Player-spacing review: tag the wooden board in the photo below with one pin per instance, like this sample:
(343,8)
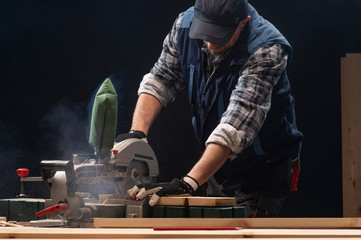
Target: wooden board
(196,201)
(351,134)
(149,233)
(211,201)
(164,222)
(278,223)
(172,201)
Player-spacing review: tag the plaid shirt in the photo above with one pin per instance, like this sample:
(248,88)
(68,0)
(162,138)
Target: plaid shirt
(250,100)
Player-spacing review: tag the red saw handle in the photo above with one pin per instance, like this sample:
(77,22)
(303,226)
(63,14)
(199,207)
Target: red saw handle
(54,208)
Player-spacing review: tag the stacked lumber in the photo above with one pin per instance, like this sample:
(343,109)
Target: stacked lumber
(197,207)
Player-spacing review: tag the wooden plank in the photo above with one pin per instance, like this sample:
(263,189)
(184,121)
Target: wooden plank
(4,223)
(149,233)
(351,134)
(306,223)
(196,201)
(164,222)
(171,201)
(301,233)
(91,233)
(211,201)
(311,223)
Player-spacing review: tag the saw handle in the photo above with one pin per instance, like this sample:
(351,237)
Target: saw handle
(52,209)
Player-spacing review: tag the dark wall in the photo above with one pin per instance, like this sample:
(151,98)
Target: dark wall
(54,54)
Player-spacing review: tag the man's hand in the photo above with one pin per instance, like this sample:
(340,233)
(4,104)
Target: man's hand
(131,134)
(177,186)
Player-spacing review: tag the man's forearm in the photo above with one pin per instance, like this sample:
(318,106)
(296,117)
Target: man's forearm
(146,111)
(215,155)
(212,159)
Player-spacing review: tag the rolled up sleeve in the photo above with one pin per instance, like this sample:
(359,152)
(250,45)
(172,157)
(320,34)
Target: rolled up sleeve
(250,101)
(165,78)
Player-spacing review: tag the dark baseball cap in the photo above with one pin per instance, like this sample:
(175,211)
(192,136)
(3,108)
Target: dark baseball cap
(216,21)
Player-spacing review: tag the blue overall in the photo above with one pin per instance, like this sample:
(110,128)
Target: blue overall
(278,138)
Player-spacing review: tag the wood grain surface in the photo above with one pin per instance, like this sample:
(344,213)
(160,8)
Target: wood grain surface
(196,201)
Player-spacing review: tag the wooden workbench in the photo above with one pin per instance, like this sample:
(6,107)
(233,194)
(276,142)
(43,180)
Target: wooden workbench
(300,228)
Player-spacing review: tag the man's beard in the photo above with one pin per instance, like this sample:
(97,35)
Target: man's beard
(216,53)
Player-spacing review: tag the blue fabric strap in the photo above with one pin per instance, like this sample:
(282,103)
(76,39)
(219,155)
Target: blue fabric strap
(187,18)
(257,146)
(190,83)
(220,105)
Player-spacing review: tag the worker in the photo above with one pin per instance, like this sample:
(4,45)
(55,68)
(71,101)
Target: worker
(232,62)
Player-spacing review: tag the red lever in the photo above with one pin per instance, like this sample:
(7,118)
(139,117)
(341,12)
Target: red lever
(54,208)
(22,172)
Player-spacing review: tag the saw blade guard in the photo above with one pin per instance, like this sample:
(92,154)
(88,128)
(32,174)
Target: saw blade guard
(141,162)
(132,162)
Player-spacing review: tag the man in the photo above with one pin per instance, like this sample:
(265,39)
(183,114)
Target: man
(233,64)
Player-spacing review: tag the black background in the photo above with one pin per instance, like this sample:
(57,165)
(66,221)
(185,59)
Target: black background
(54,54)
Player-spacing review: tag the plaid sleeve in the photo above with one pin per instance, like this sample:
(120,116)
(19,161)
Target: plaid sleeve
(165,78)
(250,101)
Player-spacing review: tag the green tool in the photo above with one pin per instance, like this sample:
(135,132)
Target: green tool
(104,120)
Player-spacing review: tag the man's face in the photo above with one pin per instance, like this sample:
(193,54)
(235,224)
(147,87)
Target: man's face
(217,50)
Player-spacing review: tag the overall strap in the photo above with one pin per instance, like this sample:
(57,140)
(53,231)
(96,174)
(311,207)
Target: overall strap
(186,23)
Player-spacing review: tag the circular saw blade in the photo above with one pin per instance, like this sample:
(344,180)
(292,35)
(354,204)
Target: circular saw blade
(137,173)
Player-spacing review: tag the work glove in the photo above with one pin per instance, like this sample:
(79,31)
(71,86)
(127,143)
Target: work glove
(131,134)
(177,186)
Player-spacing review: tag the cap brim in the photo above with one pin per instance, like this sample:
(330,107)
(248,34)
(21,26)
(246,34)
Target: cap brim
(215,34)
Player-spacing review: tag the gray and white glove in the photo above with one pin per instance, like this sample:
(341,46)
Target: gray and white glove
(175,187)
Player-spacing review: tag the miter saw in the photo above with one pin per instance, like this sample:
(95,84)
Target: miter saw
(132,162)
(82,188)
